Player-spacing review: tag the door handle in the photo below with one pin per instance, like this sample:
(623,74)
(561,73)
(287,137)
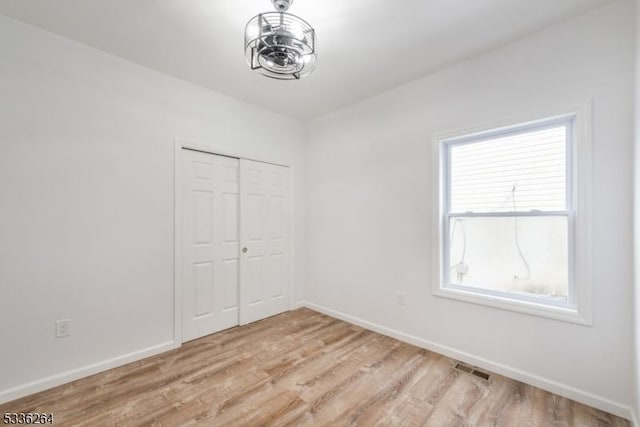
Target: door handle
(245,250)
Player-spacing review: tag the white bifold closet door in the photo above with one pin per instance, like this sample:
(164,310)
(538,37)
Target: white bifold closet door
(235,242)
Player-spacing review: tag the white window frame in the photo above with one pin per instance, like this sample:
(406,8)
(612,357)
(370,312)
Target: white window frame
(577,308)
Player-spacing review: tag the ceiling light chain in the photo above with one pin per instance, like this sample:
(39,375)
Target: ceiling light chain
(280,45)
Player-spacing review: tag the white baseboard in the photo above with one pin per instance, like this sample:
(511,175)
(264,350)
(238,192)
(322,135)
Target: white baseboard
(65,377)
(498,368)
(298,304)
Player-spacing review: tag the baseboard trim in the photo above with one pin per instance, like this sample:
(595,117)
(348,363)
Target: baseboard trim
(298,304)
(85,371)
(498,368)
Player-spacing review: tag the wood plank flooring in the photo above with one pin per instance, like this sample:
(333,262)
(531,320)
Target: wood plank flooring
(303,368)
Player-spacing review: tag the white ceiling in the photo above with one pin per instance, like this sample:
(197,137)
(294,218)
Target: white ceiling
(365,46)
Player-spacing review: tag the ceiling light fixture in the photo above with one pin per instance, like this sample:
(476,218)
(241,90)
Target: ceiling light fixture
(280,45)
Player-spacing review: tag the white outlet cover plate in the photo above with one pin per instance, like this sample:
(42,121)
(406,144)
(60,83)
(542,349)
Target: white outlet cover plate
(62,328)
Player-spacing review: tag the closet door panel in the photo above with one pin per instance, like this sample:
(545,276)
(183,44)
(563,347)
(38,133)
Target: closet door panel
(210,243)
(265,228)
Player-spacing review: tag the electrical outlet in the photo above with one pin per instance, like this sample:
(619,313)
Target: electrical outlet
(62,328)
(402,300)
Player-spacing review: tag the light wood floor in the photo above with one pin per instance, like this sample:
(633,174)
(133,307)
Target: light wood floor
(303,368)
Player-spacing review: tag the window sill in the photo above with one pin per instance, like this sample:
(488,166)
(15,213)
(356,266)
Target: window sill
(566,314)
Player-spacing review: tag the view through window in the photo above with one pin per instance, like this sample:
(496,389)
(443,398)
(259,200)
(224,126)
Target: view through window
(508,212)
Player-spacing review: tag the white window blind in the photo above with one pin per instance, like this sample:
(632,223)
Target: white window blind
(518,172)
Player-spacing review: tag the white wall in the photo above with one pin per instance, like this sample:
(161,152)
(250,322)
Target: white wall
(370,212)
(86,199)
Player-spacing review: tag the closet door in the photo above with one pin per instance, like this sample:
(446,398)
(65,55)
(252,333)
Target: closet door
(264,232)
(210,243)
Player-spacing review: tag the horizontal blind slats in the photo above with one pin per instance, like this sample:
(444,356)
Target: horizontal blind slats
(483,174)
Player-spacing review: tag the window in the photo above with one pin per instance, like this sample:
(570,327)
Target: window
(507,222)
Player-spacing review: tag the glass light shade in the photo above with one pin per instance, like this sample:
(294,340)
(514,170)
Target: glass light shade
(280,45)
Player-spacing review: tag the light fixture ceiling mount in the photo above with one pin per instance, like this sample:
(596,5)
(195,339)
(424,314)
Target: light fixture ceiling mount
(280,45)
(282,5)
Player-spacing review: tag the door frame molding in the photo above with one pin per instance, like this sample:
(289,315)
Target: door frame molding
(219,150)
